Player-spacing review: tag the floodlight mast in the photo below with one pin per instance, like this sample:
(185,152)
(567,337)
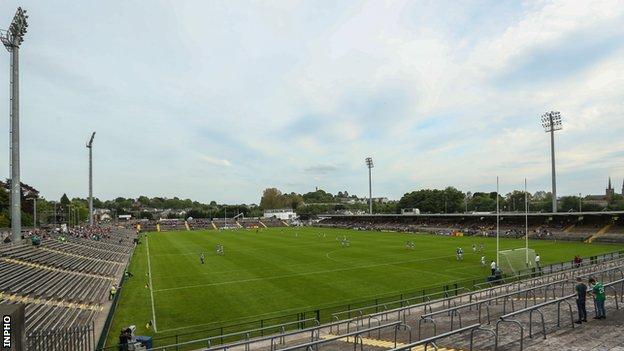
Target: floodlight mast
(551,121)
(90,147)
(12,39)
(369,164)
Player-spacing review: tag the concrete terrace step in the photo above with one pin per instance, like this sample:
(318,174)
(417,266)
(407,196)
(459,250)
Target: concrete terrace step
(594,336)
(386,344)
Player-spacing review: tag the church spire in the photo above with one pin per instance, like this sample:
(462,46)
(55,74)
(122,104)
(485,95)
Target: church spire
(609,192)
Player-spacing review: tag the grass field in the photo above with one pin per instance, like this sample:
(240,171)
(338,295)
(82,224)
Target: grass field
(279,271)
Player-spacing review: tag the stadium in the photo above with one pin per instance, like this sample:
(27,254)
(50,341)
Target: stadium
(412,264)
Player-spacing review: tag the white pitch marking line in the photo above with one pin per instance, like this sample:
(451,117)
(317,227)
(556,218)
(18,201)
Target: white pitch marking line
(149,272)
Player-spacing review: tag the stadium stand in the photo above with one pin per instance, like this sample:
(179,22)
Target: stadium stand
(221,223)
(65,280)
(605,227)
(171,224)
(200,224)
(250,223)
(273,222)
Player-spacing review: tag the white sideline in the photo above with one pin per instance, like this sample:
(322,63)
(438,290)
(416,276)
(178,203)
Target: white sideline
(149,272)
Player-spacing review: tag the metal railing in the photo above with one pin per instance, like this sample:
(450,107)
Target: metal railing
(273,340)
(356,335)
(432,340)
(359,312)
(454,312)
(77,338)
(535,309)
(247,335)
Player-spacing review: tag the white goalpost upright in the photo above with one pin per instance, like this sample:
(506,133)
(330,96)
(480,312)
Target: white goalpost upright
(517,260)
(497,227)
(526,222)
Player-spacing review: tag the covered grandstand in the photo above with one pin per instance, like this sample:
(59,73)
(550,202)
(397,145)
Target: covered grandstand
(578,226)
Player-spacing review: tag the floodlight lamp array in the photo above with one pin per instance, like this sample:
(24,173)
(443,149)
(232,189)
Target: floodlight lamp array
(551,121)
(14,36)
(369,162)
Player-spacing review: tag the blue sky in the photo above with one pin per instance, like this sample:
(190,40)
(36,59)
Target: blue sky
(217,100)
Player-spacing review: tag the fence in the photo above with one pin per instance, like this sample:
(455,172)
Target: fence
(301,320)
(109,317)
(75,339)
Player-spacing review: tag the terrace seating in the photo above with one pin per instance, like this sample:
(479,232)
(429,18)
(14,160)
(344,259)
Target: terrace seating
(572,227)
(200,224)
(273,222)
(221,223)
(250,223)
(63,283)
(171,225)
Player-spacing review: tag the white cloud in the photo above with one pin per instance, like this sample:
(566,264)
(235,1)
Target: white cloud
(216,161)
(439,93)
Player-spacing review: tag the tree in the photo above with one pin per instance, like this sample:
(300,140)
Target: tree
(568,203)
(4,199)
(616,203)
(482,202)
(272,198)
(318,196)
(514,201)
(293,200)
(64,200)
(144,200)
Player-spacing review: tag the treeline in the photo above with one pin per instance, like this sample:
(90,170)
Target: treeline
(62,211)
(319,201)
(449,200)
(180,208)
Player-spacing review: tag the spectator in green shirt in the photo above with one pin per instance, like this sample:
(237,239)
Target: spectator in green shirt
(599,298)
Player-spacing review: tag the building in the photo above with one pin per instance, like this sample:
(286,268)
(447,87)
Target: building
(602,200)
(284,214)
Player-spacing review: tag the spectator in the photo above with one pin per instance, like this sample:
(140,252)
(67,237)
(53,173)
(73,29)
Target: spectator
(538,259)
(124,338)
(112,292)
(493,267)
(599,298)
(581,293)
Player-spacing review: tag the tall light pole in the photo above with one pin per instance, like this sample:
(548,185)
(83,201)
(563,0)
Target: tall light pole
(90,147)
(12,39)
(580,203)
(369,164)
(551,121)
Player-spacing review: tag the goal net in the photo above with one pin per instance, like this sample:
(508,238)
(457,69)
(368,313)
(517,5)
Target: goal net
(514,262)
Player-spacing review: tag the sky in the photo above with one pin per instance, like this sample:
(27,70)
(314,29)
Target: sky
(218,100)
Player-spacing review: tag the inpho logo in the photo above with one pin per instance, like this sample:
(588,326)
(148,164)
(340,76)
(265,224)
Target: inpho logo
(6,332)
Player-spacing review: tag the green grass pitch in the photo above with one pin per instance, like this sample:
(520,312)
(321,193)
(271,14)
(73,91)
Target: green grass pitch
(279,271)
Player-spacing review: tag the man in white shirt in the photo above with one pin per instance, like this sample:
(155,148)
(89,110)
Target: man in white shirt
(537,262)
(493,267)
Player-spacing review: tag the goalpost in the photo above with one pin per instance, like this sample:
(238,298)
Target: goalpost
(515,262)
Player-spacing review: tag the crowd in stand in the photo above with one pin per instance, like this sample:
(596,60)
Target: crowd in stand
(564,227)
(98,233)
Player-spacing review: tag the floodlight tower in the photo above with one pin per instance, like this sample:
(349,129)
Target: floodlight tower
(369,164)
(90,147)
(12,39)
(551,121)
